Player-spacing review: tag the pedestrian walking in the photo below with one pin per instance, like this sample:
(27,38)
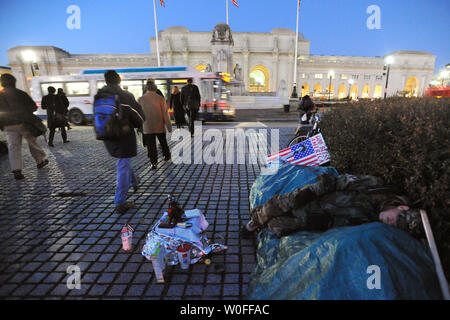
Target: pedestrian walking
(15,107)
(156,123)
(178,111)
(56,111)
(190,100)
(124,148)
(63,98)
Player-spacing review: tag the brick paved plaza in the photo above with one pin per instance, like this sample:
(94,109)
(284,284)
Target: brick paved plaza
(64,215)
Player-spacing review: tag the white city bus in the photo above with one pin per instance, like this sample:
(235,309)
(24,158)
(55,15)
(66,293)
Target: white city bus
(81,89)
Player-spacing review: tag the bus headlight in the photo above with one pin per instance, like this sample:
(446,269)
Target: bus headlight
(228,112)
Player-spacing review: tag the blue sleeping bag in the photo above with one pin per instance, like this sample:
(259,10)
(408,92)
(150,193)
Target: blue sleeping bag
(339,264)
(370,261)
(287,179)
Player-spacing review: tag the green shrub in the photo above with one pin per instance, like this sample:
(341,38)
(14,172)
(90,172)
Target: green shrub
(406,143)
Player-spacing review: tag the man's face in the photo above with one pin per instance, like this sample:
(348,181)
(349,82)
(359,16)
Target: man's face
(390,216)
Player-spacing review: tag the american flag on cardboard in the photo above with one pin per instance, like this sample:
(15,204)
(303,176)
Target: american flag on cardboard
(311,152)
(235,3)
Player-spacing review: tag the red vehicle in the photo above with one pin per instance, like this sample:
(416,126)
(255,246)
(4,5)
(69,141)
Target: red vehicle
(438,92)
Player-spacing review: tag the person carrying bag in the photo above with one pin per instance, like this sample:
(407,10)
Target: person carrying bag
(18,121)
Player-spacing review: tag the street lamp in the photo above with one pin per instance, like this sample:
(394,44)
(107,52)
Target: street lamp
(443,76)
(294,94)
(330,75)
(30,57)
(389,60)
(350,84)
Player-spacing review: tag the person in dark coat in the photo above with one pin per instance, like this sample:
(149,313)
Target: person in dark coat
(345,200)
(306,107)
(190,100)
(124,148)
(62,96)
(56,111)
(178,111)
(16,106)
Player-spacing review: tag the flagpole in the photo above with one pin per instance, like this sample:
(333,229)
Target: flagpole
(227,9)
(156,31)
(294,90)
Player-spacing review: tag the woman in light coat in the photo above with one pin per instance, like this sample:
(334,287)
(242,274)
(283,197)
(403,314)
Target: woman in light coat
(157,120)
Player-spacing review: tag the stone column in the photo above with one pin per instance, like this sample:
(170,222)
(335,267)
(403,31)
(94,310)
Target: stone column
(275,64)
(246,71)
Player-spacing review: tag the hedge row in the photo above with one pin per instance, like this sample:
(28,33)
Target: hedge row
(406,143)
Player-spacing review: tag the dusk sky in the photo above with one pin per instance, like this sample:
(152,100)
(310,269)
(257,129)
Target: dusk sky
(334,27)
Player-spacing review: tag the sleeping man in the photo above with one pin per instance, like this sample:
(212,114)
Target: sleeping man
(334,201)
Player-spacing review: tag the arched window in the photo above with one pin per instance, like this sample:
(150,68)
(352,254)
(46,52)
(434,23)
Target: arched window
(259,79)
(342,91)
(305,89)
(412,87)
(200,67)
(317,90)
(365,92)
(377,92)
(354,92)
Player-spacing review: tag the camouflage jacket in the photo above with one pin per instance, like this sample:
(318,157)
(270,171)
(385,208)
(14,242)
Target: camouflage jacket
(330,202)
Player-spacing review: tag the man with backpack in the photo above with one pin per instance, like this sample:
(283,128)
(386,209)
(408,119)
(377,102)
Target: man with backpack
(116,115)
(190,100)
(16,107)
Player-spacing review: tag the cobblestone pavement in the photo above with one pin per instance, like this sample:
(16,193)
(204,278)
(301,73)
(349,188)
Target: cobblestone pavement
(63,215)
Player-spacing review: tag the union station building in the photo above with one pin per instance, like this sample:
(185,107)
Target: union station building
(263,64)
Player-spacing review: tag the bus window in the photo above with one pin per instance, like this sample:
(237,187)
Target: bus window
(77,88)
(216,88)
(206,87)
(162,85)
(100,84)
(225,93)
(133,86)
(56,85)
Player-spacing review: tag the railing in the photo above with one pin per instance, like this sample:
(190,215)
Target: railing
(259,94)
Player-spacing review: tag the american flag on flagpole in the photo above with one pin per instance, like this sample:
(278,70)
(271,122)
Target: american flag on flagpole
(162,3)
(235,3)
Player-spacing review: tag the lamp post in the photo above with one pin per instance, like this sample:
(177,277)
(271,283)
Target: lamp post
(350,83)
(389,60)
(294,94)
(330,75)
(30,57)
(443,77)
